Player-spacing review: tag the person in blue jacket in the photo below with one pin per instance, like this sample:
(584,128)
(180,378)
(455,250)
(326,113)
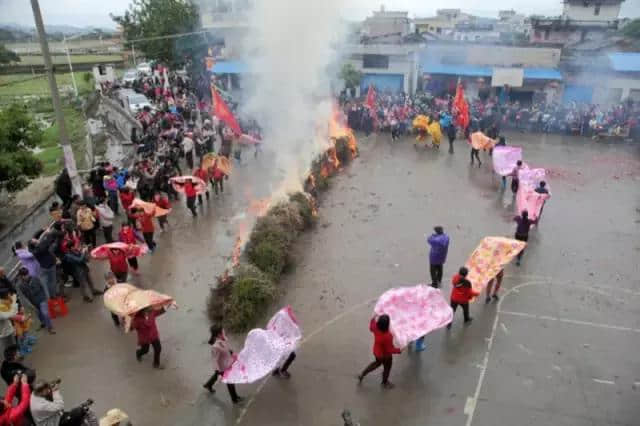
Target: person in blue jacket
(439,242)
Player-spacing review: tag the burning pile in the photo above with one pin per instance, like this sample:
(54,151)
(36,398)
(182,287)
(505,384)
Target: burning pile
(248,284)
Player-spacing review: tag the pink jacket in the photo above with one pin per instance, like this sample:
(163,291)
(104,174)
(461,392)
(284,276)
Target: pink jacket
(222,354)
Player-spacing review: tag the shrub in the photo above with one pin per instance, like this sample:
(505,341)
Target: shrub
(287,214)
(269,244)
(305,208)
(216,303)
(248,298)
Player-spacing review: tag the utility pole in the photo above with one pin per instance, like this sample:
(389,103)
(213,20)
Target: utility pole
(73,77)
(69,159)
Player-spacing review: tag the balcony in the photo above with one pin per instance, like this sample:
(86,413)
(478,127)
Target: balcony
(571,24)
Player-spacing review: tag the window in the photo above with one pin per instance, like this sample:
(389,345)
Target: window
(596,11)
(546,34)
(375,61)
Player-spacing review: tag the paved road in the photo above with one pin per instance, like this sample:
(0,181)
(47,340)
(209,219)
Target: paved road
(560,348)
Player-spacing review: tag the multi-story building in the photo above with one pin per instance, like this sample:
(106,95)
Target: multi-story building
(443,23)
(581,20)
(385,22)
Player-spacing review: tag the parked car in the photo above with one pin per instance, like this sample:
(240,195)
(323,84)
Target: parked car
(129,77)
(144,68)
(132,101)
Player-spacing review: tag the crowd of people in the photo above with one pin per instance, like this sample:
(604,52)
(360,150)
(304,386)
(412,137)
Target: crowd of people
(180,147)
(176,138)
(395,112)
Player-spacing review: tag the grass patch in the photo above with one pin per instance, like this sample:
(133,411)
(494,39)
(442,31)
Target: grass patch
(75,59)
(16,85)
(51,156)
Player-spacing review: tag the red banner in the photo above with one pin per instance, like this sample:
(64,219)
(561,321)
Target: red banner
(224,114)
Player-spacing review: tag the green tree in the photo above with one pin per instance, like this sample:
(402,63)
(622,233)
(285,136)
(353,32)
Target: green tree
(19,133)
(7,56)
(632,29)
(350,75)
(157,18)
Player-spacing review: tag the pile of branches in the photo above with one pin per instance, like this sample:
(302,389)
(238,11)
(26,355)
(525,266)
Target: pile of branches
(242,297)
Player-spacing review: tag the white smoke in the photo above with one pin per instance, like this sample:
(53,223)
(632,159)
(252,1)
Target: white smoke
(292,52)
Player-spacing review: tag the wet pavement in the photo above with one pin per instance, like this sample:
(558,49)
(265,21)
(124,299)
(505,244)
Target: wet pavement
(559,348)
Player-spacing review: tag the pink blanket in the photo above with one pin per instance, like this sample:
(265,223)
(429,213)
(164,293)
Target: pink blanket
(131,250)
(528,199)
(489,258)
(265,350)
(531,177)
(505,158)
(414,312)
(178,184)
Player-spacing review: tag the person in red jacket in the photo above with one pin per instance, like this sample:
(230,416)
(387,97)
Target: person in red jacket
(146,226)
(126,198)
(461,294)
(383,349)
(127,235)
(162,201)
(144,323)
(218,177)
(11,415)
(118,263)
(203,174)
(190,192)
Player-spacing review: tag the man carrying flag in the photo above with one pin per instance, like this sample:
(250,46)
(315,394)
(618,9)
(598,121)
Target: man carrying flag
(224,114)
(462,108)
(370,104)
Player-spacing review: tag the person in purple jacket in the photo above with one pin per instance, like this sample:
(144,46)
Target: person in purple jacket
(439,242)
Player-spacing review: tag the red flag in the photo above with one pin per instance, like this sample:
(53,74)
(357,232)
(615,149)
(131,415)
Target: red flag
(222,111)
(371,97)
(462,119)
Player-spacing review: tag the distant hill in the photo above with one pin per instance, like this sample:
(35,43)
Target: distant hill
(13,32)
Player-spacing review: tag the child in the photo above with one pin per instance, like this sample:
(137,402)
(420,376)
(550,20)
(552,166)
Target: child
(498,282)
(127,235)
(461,294)
(110,281)
(162,201)
(222,355)
(144,323)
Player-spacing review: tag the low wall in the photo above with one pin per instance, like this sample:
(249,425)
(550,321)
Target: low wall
(118,117)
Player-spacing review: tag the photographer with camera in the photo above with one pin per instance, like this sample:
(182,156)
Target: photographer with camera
(47,407)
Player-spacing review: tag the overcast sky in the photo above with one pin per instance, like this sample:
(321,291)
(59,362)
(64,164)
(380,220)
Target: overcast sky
(96,12)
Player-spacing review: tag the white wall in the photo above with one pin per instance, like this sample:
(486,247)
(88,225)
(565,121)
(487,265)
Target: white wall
(579,12)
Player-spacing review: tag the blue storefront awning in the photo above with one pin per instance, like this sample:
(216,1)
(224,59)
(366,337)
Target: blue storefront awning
(229,67)
(542,74)
(482,71)
(462,70)
(625,61)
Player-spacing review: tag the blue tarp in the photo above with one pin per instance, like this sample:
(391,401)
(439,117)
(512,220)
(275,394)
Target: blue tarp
(229,67)
(577,94)
(482,71)
(542,74)
(625,61)
(382,82)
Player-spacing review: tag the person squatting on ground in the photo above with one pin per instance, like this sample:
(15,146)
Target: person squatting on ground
(222,355)
(461,294)
(144,323)
(383,349)
(439,242)
(47,407)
